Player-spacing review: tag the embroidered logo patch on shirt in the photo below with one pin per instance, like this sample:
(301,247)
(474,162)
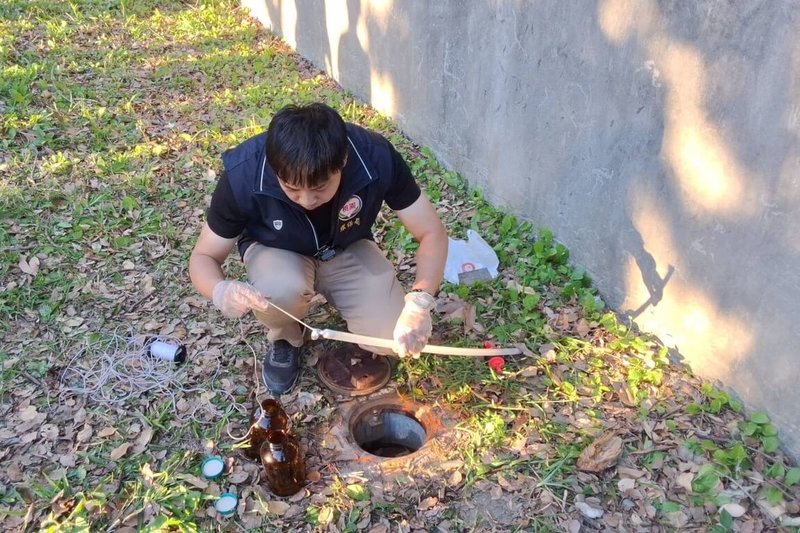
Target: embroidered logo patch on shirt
(350,208)
(277,224)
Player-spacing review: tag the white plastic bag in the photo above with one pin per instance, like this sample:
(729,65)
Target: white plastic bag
(471,256)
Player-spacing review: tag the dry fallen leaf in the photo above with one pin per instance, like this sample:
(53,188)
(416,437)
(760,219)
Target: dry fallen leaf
(684,480)
(588,511)
(460,310)
(85,434)
(14,472)
(427,503)
(452,310)
(106,432)
(601,454)
(74,322)
(147,475)
(455,478)
(734,509)
(773,511)
(68,460)
(364,522)
(60,505)
(626,484)
(625,395)
(119,451)
(49,431)
(251,520)
(633,473)
(143,439)
(548,352)
(298,497)
(29,267)
(193,480)
(80,416)
(523,349)
(238,477)
(27,414)
(277,507)
(677,519)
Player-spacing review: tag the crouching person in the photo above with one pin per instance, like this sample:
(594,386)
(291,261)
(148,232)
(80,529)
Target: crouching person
(299,200)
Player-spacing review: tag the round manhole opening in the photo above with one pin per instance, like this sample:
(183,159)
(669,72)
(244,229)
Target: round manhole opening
(387,431)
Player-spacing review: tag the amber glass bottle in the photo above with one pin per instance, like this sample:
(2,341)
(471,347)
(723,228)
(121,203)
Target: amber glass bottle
(283,463)
(270,416)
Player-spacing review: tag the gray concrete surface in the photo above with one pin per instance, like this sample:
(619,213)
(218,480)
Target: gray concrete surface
(658,139)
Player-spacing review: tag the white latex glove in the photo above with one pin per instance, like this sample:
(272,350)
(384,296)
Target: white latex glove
(414,325)
(235,298)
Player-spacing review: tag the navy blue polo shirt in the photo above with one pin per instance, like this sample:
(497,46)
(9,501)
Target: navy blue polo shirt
(248,202)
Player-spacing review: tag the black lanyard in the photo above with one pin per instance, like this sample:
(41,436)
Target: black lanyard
(328,250)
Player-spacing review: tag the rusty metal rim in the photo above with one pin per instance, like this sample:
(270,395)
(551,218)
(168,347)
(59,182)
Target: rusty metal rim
(386,368)
(395,404)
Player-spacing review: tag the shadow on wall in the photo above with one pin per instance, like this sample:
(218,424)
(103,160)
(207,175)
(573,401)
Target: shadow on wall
(345,32)
(728,189)
(702,244)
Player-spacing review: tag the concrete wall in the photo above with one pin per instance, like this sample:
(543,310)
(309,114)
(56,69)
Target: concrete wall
(658,139)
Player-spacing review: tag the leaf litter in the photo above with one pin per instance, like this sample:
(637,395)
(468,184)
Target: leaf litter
(107,176)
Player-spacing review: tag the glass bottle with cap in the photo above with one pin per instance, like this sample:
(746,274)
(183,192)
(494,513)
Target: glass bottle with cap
(283,463)
(270,416)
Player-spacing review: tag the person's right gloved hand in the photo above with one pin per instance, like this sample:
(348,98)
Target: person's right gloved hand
(235,298)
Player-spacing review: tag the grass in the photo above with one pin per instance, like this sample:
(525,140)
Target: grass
(113,114)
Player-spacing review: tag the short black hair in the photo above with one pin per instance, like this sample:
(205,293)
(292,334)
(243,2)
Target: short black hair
(306,144)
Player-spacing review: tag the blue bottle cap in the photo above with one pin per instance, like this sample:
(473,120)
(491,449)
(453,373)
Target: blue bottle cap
(226,503)
(212,467)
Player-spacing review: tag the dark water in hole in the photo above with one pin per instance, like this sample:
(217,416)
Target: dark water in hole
(384,448)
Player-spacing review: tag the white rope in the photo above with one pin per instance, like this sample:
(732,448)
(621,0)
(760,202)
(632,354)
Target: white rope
(353,338)
(255,379)
(115,368)
(343,336)
(287,313)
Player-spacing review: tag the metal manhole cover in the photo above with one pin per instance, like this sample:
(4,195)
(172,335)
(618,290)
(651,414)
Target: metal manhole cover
(351,371)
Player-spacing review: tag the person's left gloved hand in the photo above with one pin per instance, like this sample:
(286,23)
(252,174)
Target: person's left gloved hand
(414,326)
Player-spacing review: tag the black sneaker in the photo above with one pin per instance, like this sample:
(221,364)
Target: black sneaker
(281,367)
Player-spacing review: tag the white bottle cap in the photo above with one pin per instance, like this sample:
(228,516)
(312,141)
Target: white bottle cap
(226,503)
(212,467)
